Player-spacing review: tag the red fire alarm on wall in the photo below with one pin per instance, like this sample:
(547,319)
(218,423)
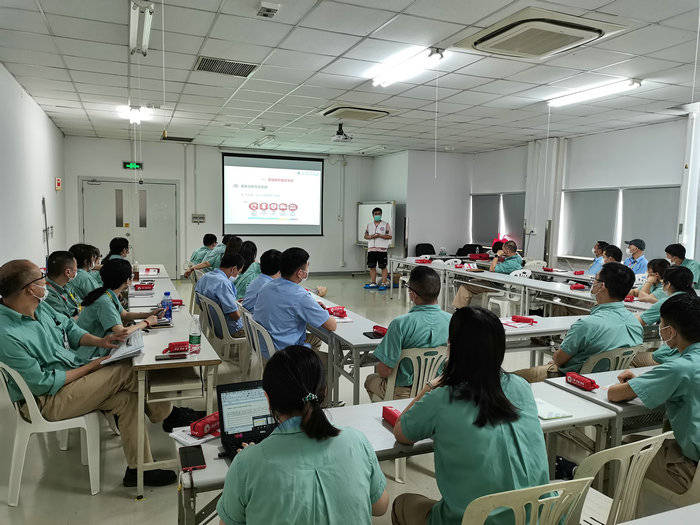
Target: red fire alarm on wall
(59,184)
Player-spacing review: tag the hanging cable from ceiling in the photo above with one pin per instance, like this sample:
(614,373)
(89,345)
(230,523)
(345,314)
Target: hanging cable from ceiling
(162,45)
(435,135)
(695,62)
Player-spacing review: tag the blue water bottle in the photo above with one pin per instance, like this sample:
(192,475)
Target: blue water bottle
(167,305)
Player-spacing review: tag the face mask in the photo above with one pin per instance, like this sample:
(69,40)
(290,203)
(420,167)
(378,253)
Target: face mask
(628,251)
(662,337)
(593,288)
(670,262)
(377,218)
(305,278)
(72,277)
(593,251)
(43,297)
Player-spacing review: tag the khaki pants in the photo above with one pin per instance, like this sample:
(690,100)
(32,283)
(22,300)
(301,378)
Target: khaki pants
(537,374)
(643,359)
(376,384)
(112,388)
(465,294)
(669,468)
(411,509)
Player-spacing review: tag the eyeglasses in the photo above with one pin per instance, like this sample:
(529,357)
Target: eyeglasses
(43,276)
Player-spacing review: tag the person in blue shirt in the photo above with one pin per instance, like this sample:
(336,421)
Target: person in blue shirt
(636,259)
(118,249)
(218,286)
(270,268)
(612,253)
(285,308)
(675,383)
(598,249)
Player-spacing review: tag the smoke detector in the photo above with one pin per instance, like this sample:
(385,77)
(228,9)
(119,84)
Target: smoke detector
(268,9)
(340,135)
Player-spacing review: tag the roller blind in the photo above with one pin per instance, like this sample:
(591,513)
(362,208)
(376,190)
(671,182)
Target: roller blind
(485,218)
(651,214)
(513,216)
(587,216)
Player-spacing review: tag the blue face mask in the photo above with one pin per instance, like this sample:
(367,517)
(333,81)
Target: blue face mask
(377,218)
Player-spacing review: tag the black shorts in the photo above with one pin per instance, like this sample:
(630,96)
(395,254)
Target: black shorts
(377,259)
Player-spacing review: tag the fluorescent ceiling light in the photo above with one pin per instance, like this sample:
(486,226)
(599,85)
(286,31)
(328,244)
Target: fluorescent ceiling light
(146,33)
(135,114)
(404,65)
(136,9)
(133,27)
(594,93)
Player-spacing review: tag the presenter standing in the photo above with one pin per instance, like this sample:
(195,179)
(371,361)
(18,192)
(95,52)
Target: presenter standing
(378,235)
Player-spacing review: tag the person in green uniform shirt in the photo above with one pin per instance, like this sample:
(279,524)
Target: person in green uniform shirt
(96,263)
(84,282)
(102,312)
(676,280)
(675,253)
(424,326)
(61,269)
(506,261)
(208,244)
(318,474)
(118,249)
(212,260)
(483,422)
(251,269)
(610,325)
(653,288)
(674,383)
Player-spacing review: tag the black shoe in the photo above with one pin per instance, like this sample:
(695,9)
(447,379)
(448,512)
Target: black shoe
(181,417)
(151,478)
(564,469)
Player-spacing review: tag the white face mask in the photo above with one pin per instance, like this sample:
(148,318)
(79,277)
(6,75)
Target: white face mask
(661,336)
(593,251)
(670,262)
(593,288)
(628,251)
(43,297)
(305,278)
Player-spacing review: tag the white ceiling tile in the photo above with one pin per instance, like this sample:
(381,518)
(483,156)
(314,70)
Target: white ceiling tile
(333,81)
(32,84)
(177,42)
(22,56)
(204,101)
(362,97)
(320,92)
(375,50)
(454,60)
(460,11)
(428,92)
(235,51)
(49,73)
(459,81)
(471,97)
(21,20)
(345,18)
(687,21)
(390,5)
(249,30)
(668,93)
(209,91)
(648,10)
(324,42)
(677,75)
(585,80)
(415,30)
(182,20)
(269,87)
(281,74)
(589,58)
(494,68)
(518,5)
(172,60)
(99,78)
(510,102)
(349,67)
(503,87)
(585,4)
(206,5)
(404,102)
(544,92)
(647,39)
(290,12)
(636,67)
(104,10)
(543,74)
(309,102)
(445,107)
(97,66)
(26,41)
(214,79)
(101,89)
(89,29)
(680,53)
(97,50)
(309,61)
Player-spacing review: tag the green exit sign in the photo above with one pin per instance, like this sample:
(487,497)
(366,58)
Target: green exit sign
(132,165)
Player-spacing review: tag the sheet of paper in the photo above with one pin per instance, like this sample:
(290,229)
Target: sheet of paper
(546,410)
(182,435)
(131,347)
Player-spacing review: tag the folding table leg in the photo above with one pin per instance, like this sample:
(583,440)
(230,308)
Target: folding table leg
(141,376)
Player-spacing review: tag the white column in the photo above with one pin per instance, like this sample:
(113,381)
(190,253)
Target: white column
(690,194)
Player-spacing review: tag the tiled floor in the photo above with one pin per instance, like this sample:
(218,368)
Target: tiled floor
(55,486)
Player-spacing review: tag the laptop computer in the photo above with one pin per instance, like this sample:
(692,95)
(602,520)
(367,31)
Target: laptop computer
(244,415)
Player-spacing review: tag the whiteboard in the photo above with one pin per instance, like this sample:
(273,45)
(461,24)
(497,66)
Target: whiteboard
(364,216)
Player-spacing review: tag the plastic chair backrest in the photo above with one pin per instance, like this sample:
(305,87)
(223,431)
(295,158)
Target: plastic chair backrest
(542,505)
(526,273)
(424,248)
(32,408)
(198,275)
(634,460)
(618,359)
(426,366)
(249,332)
(451,262)
(193,279)
(213,310)
(535,264)
(262,337)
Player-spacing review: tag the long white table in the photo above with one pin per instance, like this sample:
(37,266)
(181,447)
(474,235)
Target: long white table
(368,419)
(518,336)
(162,273)
(152,300)
(689,514)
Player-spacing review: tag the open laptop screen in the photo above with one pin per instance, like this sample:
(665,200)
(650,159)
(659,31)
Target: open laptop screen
(243,410)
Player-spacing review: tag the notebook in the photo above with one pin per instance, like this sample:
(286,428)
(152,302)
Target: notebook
(546,410)
(133,346)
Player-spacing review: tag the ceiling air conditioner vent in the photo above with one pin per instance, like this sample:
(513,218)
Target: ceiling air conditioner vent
(224,67)
(538,33)
(353,113)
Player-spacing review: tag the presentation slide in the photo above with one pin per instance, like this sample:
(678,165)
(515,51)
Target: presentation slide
(272,195)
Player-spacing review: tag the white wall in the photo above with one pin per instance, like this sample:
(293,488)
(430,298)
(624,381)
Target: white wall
(388,183)
(500,171)
(643,156)
(31,151)
(102,158)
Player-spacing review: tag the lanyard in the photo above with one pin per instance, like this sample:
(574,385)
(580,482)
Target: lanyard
(73,302)
(66,343)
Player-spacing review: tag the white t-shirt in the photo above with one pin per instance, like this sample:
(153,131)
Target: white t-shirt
(378,244)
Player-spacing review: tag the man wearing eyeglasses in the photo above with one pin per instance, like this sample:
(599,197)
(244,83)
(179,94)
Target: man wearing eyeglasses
(609,326)
(424,326)
(40,344)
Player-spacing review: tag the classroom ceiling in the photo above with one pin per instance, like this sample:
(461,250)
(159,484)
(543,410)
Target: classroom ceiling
(72,57)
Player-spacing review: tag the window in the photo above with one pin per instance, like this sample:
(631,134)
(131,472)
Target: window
(513,205)
(498,215)
(651,214)
(587,217)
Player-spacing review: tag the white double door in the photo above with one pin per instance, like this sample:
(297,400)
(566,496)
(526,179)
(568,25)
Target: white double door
(146,214)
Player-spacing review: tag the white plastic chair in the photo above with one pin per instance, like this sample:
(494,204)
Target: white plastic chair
(535,264)
(193,280)
(633,460)
(507,301)
(618,358)
(260,334)
(426,364)
(90,436)
(256,356)
(543,505)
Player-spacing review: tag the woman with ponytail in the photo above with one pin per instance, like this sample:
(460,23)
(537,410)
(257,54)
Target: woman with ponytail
(118,249)
(102,312)
(484,424)
(306,471)
(676,280)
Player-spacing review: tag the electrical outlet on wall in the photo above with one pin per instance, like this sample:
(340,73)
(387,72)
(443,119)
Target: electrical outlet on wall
(198,218)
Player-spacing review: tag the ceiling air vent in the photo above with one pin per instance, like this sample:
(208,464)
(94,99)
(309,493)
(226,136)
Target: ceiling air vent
(538,33)
(224,67)
(353,113)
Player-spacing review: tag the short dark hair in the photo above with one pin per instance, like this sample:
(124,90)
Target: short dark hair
(658,266)
(116,247)
(602,244)
(680,278)
(249,251)
(682,312)
(377,209)
(229,260)
(613,251)
(618,279)
(291,260)
(15,275)
(209,239)
(498,245)
(511,246)
(94,251)
(473,370)
(677,250)
(294,382)
(233,244)
(113,273)
(425,283)
(57,262)
(270,262)
(83,254)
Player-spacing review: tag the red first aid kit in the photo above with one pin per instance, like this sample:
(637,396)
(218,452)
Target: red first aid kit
(337,311)
(545,269)
(424,261)
(177,302)
(379,330)
(579,272)
(207,425)
(459,266)
(582,382)
(577,286)
(178,346)
(523,319)
(478,256)
(151,270)
(629,299)
(390,415)
(147,286)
